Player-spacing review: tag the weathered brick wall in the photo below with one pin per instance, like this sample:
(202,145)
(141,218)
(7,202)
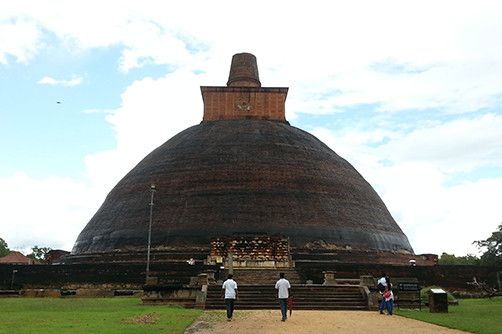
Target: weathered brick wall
(244,103)
(261,248)
(133,275)
(156,256)
(364,256)
(94,274)
(449,277)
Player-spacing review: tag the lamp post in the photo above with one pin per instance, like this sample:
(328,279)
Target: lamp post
(12,281)
(152,192)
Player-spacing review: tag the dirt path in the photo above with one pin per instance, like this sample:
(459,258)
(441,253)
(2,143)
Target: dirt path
(353,322)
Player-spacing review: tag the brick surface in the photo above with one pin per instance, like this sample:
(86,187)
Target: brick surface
(225,103)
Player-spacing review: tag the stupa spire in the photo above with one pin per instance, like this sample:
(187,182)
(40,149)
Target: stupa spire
(244,71)
(244,97)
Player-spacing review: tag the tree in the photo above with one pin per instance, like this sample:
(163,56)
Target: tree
(451,259)
(4,248)
(39,253)
(492,247)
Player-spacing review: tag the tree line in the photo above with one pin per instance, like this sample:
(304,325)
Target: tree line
(37,253)
(491,252)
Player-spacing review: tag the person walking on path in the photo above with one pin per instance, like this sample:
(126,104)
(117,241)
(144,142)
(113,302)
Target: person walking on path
(388,296)
(382,286)
(229,293)
(283,287)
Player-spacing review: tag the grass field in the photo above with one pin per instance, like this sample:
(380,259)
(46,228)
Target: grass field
(128,315)
(482,316)
(91,315)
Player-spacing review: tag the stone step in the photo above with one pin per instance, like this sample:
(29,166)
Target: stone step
(295,301)
(274,297)
(296,305)
(303,307)
(293,291)
(304,286)
(307,289)
(305,297)
(296,298)
(264,276)
(293,287)
(348,306)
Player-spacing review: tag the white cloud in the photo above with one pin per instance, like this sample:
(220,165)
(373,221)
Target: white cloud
(21,39)
(152,111)
(457,146)
(438,218)
(43,212)
(74,81)
(334,49)
(53,210)
(412,170)
(147,42)
(393,54)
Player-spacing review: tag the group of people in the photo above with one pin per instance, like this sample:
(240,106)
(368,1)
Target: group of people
(229,292)
(385,288)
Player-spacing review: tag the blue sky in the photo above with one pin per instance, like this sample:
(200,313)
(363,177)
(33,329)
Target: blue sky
(408,93)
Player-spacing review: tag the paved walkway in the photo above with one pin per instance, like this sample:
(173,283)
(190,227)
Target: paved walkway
(346,322)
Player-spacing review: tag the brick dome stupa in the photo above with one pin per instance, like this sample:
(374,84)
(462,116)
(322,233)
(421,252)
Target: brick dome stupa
(244,173)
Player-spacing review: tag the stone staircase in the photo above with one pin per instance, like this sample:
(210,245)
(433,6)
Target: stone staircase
(306,297)
(245,276)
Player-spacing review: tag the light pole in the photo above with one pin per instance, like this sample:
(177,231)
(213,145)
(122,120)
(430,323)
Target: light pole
(152,192)
(12,281)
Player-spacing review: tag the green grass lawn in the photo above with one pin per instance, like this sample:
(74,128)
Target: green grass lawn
(482,316)
(91,315)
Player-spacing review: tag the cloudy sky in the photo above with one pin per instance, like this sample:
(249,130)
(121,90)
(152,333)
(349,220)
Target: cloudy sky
(409,92)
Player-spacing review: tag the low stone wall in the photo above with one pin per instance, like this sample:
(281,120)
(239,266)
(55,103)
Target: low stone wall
(454,277)
(174,295)
(103,276)
(132,276)
(345,256)
(40,293)
(157,256)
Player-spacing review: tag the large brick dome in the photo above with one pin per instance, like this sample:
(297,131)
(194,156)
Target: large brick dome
(243,171)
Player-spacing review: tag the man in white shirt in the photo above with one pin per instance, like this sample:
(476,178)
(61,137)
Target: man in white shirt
(229,293)
(283,286)
(382,286)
